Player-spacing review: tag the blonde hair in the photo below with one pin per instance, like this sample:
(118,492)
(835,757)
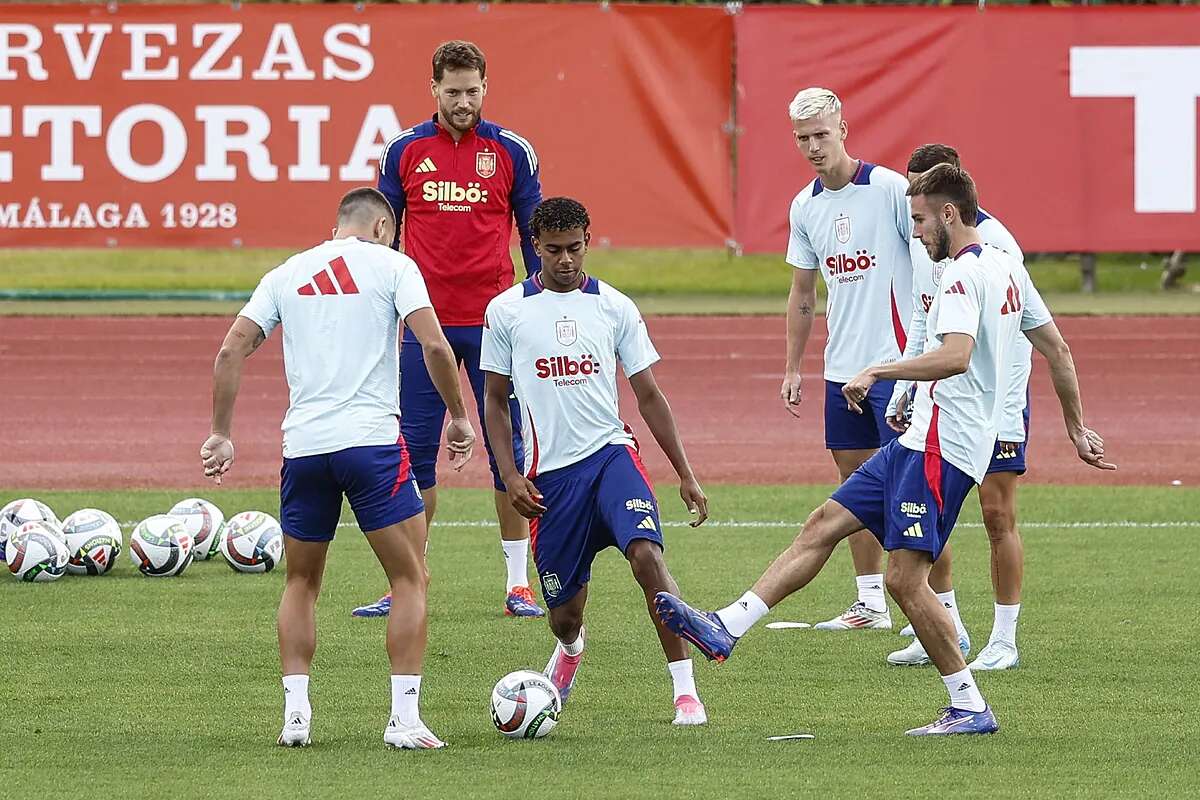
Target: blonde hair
(813,102)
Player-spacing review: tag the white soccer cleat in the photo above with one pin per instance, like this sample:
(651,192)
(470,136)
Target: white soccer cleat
(907,630)
(858,617)
(689,711)
(915,656)
(410,737)
(295,731)
(997,655)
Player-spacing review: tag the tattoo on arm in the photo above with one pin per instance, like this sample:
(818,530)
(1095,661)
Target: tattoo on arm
(804,310)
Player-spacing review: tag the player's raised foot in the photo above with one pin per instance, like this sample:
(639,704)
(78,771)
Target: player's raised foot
(907,630)
(702,628)
(997,655)
(521,603)
(561,671)
(915,656)
(959,720)
(410,737)
(295,731)
(859,616)
(380,608)
(689,711)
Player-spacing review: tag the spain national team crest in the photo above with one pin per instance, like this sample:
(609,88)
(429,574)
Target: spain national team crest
(841,228)
(485,164)
(565,332)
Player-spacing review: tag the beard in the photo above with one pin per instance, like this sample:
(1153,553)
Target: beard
(940,250)
(457,124)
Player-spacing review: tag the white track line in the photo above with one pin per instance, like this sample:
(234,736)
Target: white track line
(1099,524)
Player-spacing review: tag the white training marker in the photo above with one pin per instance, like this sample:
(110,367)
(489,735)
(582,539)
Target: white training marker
(784,626)
(790,736)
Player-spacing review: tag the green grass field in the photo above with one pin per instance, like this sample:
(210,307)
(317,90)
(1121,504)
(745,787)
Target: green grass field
(169,687)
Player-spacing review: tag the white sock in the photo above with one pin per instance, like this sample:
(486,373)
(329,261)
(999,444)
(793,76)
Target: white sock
(516,558)
(295,696)
(682,678)
(406,692)
(575,648)
(948,602)
(870,592)
(741,616)
(1004,628)
(964,693)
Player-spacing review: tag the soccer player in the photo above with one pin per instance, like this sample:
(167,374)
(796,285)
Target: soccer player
(341,304)
(558,336)
(998,492)
(910,492)
(459,180)
(851,224)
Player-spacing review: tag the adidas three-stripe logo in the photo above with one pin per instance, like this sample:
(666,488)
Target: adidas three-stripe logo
(648,524)
(323,281)
(914,531)
(426,165)
(956,288)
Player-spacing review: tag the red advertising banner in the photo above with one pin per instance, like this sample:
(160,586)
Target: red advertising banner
(218,126)
(1079,124)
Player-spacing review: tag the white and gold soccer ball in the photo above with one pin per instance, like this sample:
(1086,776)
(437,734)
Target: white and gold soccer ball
(204,521)
(525,705)
(35,552)
(253,542)
(160,546)
(93,541)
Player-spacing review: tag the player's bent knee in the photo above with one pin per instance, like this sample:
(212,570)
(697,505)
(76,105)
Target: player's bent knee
(999,521)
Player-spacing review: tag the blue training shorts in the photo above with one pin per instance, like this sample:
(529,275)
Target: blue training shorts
(845,430)
(1010,456)
(376,479)
(422,412)
(605,500)
(909,500)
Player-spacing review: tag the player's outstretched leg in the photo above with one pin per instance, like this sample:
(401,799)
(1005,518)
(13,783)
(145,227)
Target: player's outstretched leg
(715,633)
(998,499)
(908,583)
(297,628)
(566,623)
(942,583)
(650,571)
(400,549)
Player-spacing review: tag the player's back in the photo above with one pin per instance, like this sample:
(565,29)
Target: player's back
(857,236)
(340,305)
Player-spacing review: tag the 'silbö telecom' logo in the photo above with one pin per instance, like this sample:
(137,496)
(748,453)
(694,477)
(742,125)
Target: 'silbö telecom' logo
(566,371)
(848,269)
(450,196)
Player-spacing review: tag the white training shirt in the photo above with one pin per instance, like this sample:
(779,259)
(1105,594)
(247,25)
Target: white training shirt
(561,350)
(987,294)
(341,305)
(858,237)
(926,276)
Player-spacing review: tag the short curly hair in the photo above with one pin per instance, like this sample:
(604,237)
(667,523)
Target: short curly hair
(559,214)
(458,55)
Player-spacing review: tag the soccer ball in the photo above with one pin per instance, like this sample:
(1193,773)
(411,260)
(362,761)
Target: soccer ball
(525,705)
(160,546)
(35,552)
(93,541)
(204,521)
(18,512)
(253,542)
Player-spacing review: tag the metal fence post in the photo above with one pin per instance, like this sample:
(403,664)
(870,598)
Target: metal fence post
(1087,269)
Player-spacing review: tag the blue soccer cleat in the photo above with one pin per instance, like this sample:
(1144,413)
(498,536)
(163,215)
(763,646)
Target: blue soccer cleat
(702,628)
(380,608)
(959,720)
(521,603)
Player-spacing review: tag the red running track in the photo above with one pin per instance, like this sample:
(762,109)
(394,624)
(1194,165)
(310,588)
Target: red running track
(115,402)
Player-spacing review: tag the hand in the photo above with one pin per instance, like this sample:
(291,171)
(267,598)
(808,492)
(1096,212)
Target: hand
(694,499)
(216,456)
(856,390)
(524,496)
(900,421)
(1090,447)
(460,440)
(789,393)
